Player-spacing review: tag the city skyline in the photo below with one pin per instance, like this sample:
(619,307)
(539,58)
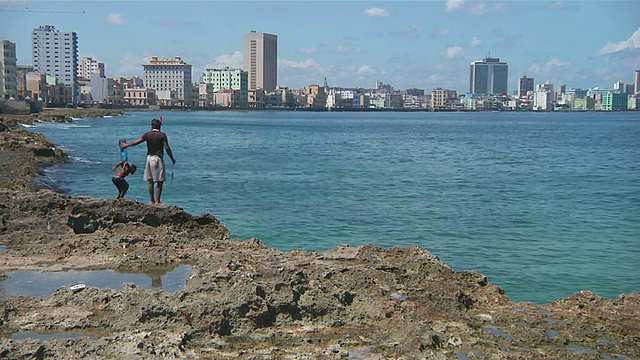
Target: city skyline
(414,44)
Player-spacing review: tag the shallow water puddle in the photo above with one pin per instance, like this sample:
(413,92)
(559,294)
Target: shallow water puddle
(48,336)
(497,332)
(43,284)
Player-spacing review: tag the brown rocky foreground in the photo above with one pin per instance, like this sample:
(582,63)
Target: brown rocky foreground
(248,301)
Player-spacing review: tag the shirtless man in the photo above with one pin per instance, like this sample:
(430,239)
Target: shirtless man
(154,172)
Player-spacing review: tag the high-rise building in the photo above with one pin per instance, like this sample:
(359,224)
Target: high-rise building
(489,76)
(171,79)
(261,60)
(636,82)
(89,66)
(56,54)
(8,70)
(525,84)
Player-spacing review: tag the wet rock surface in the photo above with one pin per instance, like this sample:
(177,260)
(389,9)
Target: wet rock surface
(246,300)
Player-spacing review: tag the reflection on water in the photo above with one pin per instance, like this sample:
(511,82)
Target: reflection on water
(43,284)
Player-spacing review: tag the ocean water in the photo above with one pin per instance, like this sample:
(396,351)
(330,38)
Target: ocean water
(544,204)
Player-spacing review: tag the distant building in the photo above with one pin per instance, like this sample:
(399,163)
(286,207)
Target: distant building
(489,76)
(636,83)
(56,54)
(415,92)
(261,60)
(443,98)
(613,101)
(87,66)
(543,97)
(8,71)
(525,85)
(36,85)
(171,79)
(227,79)
(99,88)
(139,96)
(21,81)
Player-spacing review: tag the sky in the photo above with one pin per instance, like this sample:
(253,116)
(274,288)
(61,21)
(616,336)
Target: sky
(407,44)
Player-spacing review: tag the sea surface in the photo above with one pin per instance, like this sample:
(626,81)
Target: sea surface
(544,204)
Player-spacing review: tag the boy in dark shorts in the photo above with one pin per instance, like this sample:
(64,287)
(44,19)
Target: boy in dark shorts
(119,181)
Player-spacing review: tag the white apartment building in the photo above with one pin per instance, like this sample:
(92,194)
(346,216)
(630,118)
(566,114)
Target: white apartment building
(8,71)
(56,54)
(171,79)
(88,66)
(260,60)
(543,97)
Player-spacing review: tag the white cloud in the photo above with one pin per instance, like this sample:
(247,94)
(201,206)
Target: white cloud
(476,42)
(114,19)
(365,70)
(631,43)
(454,5)
(453,52)
(309,51)
(441,33)
(348,49)
(233,61)
(434,78)
(377,12)
(554,63)
(307,64)
(478,9)
(474,7)
(413,32)
(131,65)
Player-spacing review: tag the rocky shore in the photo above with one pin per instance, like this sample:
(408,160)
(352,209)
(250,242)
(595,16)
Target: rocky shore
(244,300)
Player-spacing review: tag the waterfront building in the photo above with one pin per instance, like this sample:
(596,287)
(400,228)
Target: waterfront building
(489,76)
(443,98)
(21,81)
(585,103)
(56,54)
(8,71)
(525,85)
(559,92)
(36,86)
(256,98)
(59,93)
(99,89)
(261,60)
(415,92)
(171,79)
(636,82)
(139,96)
(578,93)
(613,101)
(316,96)
(225,79)
(543,97)
(87,66)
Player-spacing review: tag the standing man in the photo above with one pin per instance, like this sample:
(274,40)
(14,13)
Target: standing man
(154,171)
(2,125)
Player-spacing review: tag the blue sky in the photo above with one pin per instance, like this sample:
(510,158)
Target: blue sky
(422,44)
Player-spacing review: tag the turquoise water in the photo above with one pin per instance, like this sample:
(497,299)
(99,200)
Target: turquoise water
(544,204)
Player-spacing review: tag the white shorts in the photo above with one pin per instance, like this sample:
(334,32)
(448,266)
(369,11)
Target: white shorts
(154,169)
